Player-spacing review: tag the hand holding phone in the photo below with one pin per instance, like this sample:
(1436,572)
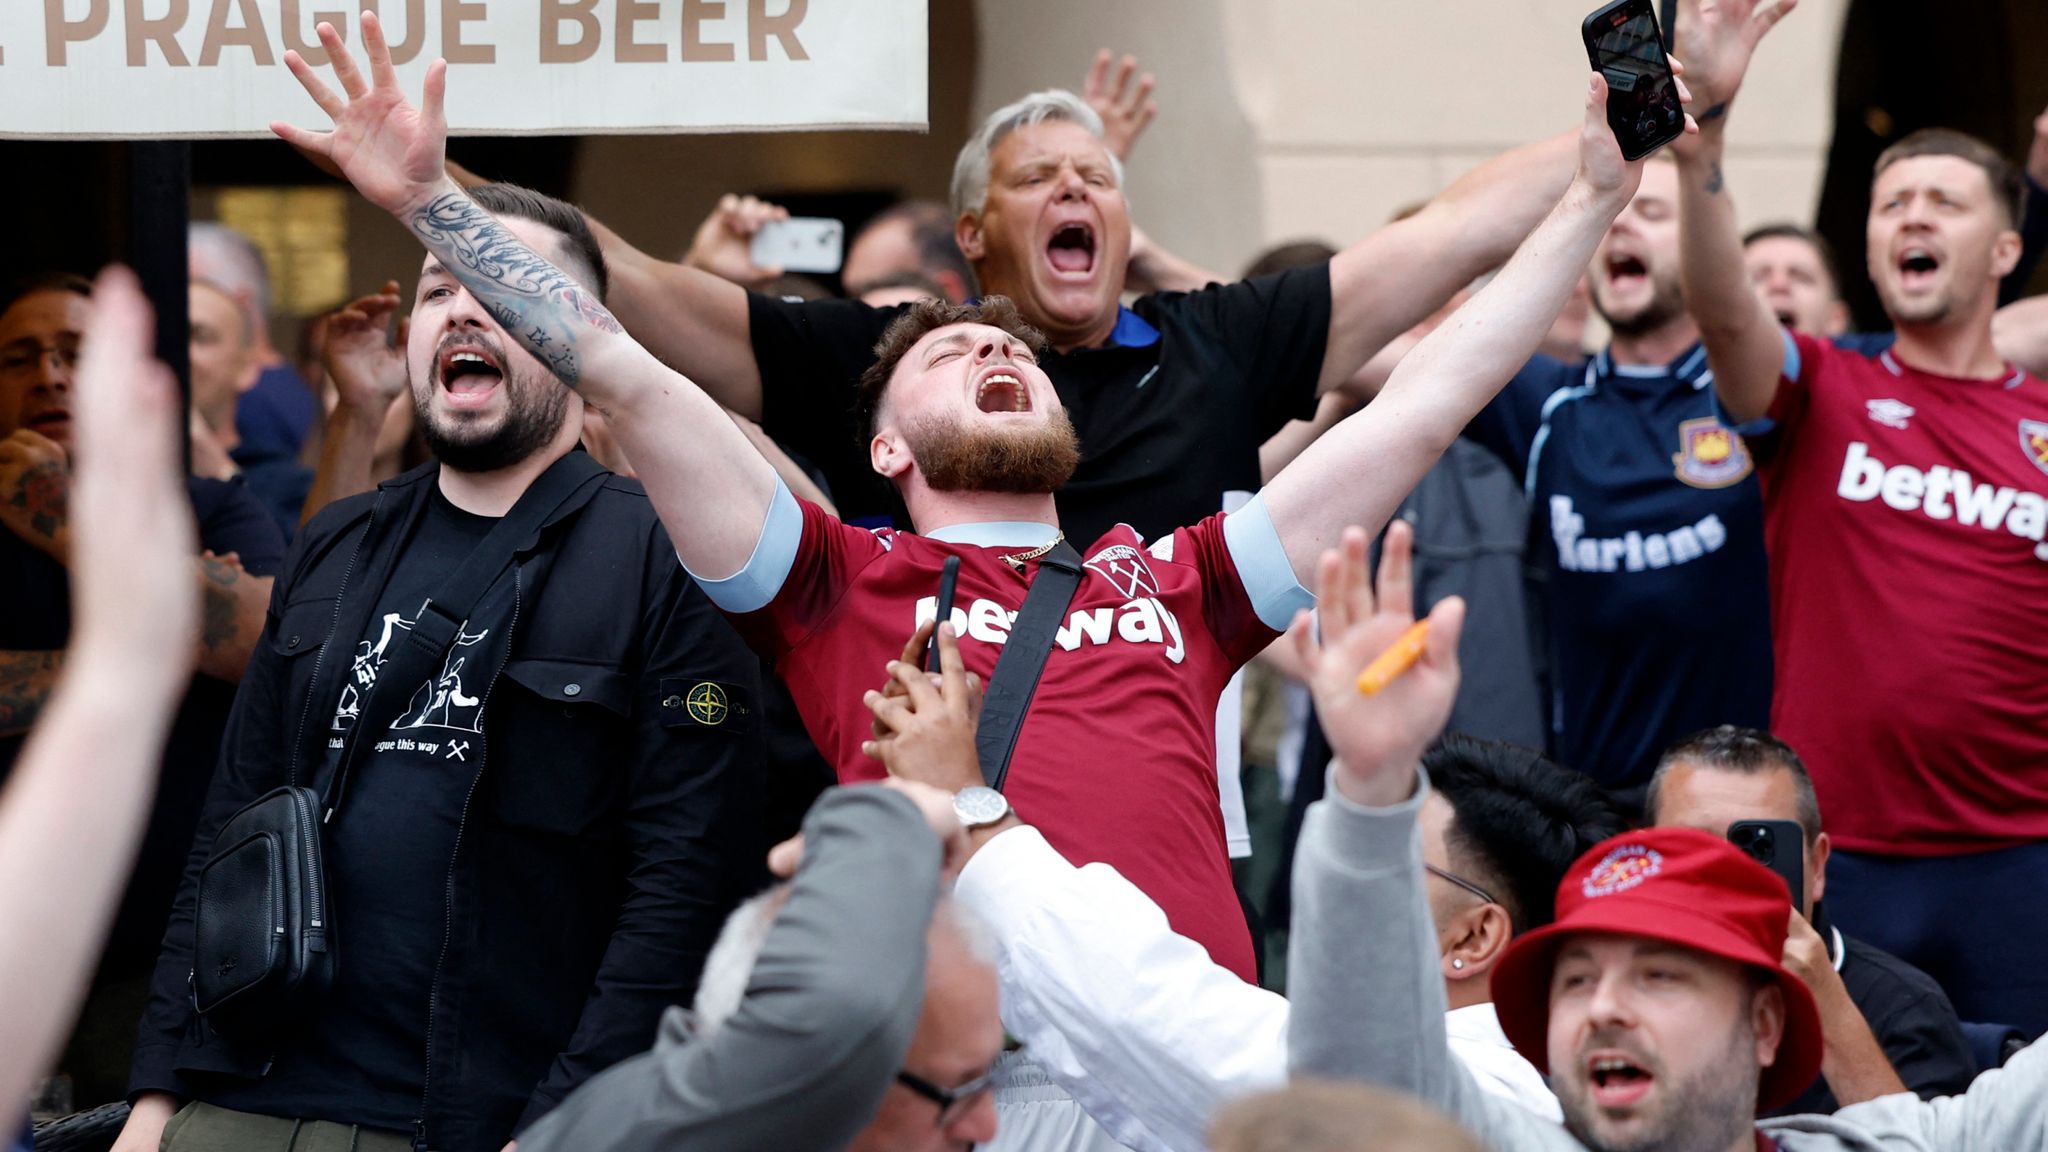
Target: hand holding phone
(1779,845)
(799,244)
(948,577)
(1643,104)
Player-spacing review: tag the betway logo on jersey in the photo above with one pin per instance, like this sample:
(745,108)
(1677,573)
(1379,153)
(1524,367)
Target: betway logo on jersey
(1141,621)
(1944,493)
(1631,551)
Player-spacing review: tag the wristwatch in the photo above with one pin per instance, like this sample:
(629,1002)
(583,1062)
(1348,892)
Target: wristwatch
(979,807)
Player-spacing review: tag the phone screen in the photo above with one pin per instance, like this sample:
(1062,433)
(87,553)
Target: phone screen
(1642,98)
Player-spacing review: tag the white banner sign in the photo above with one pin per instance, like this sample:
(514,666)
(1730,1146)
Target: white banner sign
(215,68)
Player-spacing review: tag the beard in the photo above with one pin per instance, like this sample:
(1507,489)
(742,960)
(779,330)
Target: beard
(1666,303)
(535,405)
(1929,309)
(1706,1112)
(954,458)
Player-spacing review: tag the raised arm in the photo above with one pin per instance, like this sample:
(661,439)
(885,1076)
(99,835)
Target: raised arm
(79,797)
(1745,345)
(678,438)
(1361,470)
(1386,283)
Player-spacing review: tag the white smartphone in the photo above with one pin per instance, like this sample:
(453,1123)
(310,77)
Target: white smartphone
(799,244)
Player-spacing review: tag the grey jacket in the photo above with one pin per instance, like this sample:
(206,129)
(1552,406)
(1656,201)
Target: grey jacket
(1369,1005)
(828,1013)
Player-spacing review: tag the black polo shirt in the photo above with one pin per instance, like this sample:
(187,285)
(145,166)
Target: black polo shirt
(1171,408)
(1908,1013)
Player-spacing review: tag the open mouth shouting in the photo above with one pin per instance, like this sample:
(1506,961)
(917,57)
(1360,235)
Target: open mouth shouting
(1071,251)
(1918,265)
(1001,388)
(469,372)
(1626,271)
(53,422)
(1618,1082)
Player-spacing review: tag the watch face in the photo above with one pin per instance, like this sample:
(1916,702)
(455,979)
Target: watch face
(978,806)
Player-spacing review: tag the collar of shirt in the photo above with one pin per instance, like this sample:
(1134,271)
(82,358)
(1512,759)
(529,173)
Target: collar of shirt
(996,534)
(1690,367)
(1131,331)
(1476,1039)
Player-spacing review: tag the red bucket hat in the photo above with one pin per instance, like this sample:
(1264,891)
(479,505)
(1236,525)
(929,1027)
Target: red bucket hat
(1679,885)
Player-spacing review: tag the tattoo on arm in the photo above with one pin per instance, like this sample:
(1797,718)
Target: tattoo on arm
(26,678)
(42,495)
(539,303)
(1714,182)
(219,610)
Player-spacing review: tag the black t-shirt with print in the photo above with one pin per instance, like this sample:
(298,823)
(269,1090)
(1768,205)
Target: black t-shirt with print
(389,850)
(1171,410)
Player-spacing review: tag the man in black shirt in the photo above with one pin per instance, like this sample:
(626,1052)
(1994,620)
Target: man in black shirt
(1714,778)
(529,863)
(1171,397)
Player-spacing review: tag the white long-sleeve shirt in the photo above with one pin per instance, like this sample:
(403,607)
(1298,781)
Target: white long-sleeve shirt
(1147,1033)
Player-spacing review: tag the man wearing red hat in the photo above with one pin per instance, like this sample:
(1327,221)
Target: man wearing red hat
(1655,1001)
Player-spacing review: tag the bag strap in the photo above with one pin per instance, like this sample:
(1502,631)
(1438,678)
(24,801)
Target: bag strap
(1015,678)
(425,645)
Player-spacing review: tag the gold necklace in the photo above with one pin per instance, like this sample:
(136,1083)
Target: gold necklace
(1017,560)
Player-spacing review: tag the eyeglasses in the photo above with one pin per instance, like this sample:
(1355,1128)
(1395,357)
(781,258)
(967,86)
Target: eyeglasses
(1461,882)
(952,1102)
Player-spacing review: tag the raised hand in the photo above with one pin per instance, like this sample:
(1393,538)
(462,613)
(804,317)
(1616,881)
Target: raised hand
(1602,171)
(394,153)
(367,367)
(722,245)
(1125,110)
(925,731)
(1717,38)
(1379,739)
(133,522)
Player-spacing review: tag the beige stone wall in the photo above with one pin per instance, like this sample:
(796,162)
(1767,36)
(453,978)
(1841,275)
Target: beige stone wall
(1294,118)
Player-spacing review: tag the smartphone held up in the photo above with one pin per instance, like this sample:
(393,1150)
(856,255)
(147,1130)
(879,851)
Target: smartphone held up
(1625,46)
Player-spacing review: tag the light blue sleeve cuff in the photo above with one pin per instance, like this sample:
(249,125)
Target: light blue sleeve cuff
(1254,546)
(755,584)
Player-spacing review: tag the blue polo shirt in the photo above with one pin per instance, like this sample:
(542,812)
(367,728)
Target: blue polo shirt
(1648,531)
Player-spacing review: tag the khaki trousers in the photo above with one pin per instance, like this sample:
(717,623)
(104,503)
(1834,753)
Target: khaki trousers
(204,1128)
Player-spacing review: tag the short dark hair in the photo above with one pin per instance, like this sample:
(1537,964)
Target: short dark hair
(1750,751)
(1293,254)
(2007,187)
(578,242)
(18,290)
(1519,820)
(918,321)
(931,230)
(1786,230)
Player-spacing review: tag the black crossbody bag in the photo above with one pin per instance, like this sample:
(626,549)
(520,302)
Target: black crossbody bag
(263,939)
(1015,679)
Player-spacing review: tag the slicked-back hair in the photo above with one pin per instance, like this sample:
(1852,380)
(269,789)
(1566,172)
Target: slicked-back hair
(1786,230)
(17,291)
(1749,751)
(971,170)
(1519,820)
(922,319)
(578,242)
(2007,188)
(1328,1116)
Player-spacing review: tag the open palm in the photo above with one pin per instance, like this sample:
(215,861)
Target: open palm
(395,153)
(1383,735)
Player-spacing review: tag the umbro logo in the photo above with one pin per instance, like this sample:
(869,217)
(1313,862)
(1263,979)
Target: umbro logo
(1890,413)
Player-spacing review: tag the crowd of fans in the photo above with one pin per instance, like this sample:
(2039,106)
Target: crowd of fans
(824,722)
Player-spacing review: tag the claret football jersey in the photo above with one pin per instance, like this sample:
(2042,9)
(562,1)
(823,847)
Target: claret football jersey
(1906,515)
(1115,761)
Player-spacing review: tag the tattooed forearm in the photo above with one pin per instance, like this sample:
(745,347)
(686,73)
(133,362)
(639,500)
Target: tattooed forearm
(219,608)
(542,306)
(26,680)
(1714,182)
(40,497)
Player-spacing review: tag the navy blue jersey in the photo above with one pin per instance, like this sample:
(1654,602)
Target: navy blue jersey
(1649,528)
